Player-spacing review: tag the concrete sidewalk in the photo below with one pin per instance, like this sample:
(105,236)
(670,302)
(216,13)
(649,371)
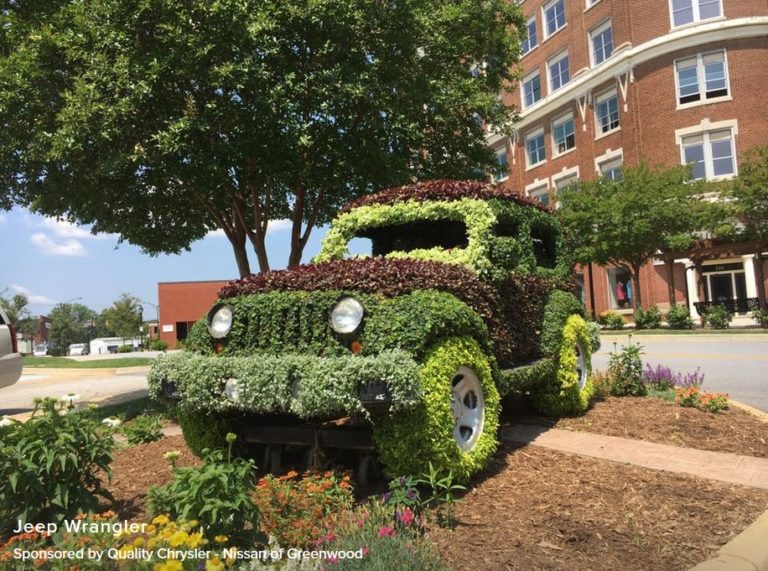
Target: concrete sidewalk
(731,468)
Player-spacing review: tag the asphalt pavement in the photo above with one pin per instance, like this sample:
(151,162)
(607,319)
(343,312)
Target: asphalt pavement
(736,364)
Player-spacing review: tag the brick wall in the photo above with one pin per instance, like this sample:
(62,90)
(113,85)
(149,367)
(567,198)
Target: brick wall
(184,303)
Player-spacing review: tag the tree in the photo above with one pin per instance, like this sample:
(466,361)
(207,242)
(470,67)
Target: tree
(163,120)
(124,316)
(749,205)
(627,223)
(15,306)
(69,322)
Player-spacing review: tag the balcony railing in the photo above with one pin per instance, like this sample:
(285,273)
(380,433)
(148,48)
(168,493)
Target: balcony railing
(741,305)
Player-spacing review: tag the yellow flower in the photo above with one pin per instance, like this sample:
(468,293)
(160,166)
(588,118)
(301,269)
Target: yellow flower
(195,540)
(178,538)
(161,520)
(151,528)
(231,561)
(170,565)
(193,523)
(214,564)
(221,539)
(138,542)
(152,543)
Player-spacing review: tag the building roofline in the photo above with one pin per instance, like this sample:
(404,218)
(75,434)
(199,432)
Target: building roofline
(197,282)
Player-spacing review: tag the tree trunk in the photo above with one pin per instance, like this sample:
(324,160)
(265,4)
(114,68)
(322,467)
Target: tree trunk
(241,256)
(670,262)
(259,242)
(637,298)
(760,278)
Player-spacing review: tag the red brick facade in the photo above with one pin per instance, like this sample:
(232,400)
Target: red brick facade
(642,71)
(181,304)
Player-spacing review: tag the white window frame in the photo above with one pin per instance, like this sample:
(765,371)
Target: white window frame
(596,31)
(599,133)
(525,80)
(600,165)
(535,133)
(558,57)
(701,78)
(527,24)
(695,4)
(537,189)
(590,4)
(563,175)
(557,121)
(609,155)
(709,164)
(498,153)
(545,32)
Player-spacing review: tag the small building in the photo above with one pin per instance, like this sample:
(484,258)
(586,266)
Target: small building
(181,304)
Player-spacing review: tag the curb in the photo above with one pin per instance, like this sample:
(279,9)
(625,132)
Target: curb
(750,409)
(745,552)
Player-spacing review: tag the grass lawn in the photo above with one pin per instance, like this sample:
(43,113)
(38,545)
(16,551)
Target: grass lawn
(132,409)
(64,363)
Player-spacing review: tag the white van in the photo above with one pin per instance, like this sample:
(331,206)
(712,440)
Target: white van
(78,349)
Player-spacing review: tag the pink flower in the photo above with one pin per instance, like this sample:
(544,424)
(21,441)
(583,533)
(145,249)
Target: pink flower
(365,550)
(405,516)
(387,532)
(333,559)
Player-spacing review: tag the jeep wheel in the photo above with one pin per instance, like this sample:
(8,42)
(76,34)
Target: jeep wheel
(455,427)
(568,388)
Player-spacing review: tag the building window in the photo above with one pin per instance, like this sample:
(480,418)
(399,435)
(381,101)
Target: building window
(531,90)
(701,77)
(559,71)
(612,169)
(530,41)
(601,42)
(570,181)
(535,151)
(540,193)
(591,3)
(554,17)
(711,154)
(688,11)
(501,171)
(607,113)
(563,135)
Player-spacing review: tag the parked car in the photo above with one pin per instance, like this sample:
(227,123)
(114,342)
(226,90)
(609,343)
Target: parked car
(41,350)
(10,358)
(464,297)
(78,349)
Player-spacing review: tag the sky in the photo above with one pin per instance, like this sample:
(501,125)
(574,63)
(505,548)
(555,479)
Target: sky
(54,262)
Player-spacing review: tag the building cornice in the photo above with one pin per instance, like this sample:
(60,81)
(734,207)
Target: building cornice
(622,62)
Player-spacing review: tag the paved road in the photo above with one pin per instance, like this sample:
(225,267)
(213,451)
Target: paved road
(734,364)
(91,384)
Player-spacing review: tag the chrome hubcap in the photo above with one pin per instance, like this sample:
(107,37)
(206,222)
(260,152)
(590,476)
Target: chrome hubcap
(467,408)
(581,365)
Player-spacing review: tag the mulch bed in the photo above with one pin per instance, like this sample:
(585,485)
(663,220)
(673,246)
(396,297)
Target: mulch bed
(657,420)
(541,509)
(136,468)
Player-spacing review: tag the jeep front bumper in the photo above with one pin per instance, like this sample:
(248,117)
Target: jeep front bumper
(304,385)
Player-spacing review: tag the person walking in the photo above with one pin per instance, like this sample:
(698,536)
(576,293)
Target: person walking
(621,293)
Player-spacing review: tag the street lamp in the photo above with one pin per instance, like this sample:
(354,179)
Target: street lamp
(70,300)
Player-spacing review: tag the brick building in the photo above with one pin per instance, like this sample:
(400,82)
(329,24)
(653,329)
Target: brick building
(605,83)
(181,304)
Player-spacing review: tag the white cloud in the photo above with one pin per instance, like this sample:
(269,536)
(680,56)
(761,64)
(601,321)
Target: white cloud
(66,229)
(274,226)
(33,298)
(67,248)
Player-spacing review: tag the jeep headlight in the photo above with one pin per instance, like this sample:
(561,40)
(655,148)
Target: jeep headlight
(220,320)
(347,315)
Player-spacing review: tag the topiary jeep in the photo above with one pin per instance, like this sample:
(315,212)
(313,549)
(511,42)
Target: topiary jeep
(465,298)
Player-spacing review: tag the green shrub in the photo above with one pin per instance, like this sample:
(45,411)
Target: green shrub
(204,431)
(761,317)
(707,402)
(626,370)
(560,306)
(158,345)
(594,335)
(647,318)
(603,384)
(216,494)
(52,466)
(610,320)
(143,429)
(125,349)
(678,317)
(718,317)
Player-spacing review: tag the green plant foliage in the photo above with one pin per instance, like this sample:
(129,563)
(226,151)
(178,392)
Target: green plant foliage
(625,368)
(761,317)
(647,318)
(52,466)
(560,306)
(216,494)
(611,320)
(594,335)
(560,393)
(406,443)
(443,490)
(125,349)
(678,317)
(143,429)
(304,385)
(204,431)
(521,380)
(718,317)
